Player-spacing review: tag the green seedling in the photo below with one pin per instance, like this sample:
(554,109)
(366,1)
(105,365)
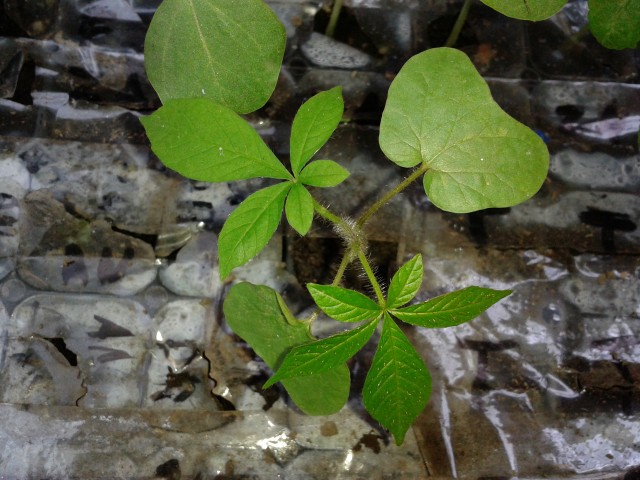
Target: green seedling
(440,122)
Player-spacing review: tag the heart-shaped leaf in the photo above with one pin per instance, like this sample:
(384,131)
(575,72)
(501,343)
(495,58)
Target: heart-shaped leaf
(250,226)
(398,385)
(615,23)
(206,141)
(227,50)
(534,10)
(259,316)
(440,114)
(323,355)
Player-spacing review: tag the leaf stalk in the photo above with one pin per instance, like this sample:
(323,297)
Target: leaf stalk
(327,214)
(347,258)
(390,194)
(355,238)
(372,278)
(333,20)
(457,27)
(352,233)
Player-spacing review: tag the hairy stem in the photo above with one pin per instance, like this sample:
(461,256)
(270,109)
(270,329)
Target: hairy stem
(457,27)
(344,263)
(333,20)
(342,225)
(390,194)
(372,277)
(326,213)
(352,234)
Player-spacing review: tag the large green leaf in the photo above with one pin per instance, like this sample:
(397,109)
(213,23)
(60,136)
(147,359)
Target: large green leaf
(323,355)
(615,23)
(534,10)
(250,226)
(312,126)
(343,304)
(405,283)
(440,114)
(299,209)
(398,385)
(258,315)
(452,308)
(323,173)
(227,50)
(206,141)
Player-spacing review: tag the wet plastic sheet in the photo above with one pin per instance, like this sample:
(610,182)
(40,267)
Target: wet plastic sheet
(141,443)
(115,360)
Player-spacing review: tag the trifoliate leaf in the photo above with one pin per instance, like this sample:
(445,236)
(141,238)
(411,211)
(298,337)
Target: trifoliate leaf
(615,23)
(450,309)
(227,50)
(323,173)
(342,304)
(206,141)
(405,283)
(250,226)
(299,209)
(398,385)
(533,10)
(258,315)
(440,114)
(312,126)
(323,355)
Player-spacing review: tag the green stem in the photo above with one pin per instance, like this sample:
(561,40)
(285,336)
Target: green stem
(342,224)
(457,27)
(371,276)
(333,20)
(390,194)
(326,214)
(356,245)
(346,260)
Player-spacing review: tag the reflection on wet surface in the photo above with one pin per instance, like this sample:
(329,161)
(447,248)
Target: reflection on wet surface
(115,359)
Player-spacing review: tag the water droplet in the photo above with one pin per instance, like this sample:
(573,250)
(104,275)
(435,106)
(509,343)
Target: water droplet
(220,151)
(203,92)
(551,313)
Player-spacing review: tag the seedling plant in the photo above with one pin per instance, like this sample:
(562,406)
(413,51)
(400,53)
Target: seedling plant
(209,64)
